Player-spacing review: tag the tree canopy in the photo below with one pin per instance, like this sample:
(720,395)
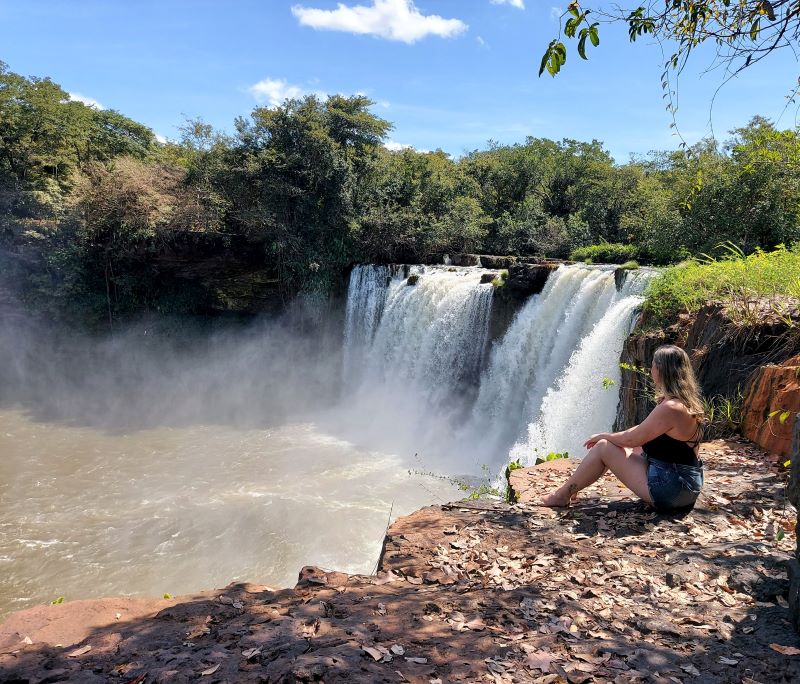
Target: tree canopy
(91,197)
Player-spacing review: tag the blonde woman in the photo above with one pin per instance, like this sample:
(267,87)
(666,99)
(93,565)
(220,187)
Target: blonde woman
(657,459)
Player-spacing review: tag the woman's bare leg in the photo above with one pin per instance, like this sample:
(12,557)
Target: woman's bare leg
(629,466)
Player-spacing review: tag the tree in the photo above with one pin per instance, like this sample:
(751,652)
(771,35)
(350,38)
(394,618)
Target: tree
(744,31)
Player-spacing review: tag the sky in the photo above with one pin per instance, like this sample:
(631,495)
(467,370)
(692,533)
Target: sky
(449,74)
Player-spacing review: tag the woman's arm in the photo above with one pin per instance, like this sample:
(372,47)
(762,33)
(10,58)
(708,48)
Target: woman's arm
(660,420)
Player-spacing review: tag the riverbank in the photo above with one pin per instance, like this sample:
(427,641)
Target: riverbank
(477,591)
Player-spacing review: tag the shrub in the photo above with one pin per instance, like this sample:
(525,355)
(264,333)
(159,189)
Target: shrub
(630,265)
(607,253)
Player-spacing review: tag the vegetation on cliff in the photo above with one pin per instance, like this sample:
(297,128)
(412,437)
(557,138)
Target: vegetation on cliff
(740,282)
(92,205)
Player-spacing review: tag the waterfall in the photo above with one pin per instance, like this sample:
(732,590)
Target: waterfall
(583,400)
(416,362)
(414,350)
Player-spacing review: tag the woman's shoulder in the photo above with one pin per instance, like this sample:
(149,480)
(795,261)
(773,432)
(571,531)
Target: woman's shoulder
(675,406)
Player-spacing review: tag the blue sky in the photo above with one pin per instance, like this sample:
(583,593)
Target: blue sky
(449,74)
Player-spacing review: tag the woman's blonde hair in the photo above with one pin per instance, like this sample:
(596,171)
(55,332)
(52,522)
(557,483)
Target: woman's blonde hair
(677,379)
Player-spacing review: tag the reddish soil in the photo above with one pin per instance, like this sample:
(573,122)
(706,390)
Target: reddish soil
(606,591)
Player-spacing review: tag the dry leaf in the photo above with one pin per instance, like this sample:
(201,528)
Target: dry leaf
(251,653)
(374,652)
(238,604)
(728,661)
(786,650)
(419,661)
(79,651)
(540,660)
(397,649)
(27,640)
(210,670)
(691,669)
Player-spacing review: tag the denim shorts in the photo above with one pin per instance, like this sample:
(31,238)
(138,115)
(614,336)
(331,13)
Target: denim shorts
(673,486)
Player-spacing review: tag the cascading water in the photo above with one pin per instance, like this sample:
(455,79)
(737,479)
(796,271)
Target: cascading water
(418,349)
(584,398)
(412,361)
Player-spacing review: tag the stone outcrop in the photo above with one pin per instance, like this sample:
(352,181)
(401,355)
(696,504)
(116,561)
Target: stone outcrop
(793,495)
(724,354)
(529,279)
(774,387)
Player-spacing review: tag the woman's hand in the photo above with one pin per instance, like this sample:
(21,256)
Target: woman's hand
(594,439)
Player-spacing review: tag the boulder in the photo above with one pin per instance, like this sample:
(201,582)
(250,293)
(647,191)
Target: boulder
(489,277)
(529,279)
(465,260)
(490,261)
(774,387)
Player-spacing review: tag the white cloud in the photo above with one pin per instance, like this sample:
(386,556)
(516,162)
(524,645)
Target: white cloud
(391,19)
(519,4)
(393,146)
(481,41)
(160,138)
(274,91)
(88,101)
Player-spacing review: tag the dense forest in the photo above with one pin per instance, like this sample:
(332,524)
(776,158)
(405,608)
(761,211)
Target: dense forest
(89,198)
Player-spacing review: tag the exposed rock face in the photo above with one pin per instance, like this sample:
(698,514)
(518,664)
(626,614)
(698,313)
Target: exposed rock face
(529,279)
(724,356)
(489,261)
(793,494)
(465,260)
(773,388)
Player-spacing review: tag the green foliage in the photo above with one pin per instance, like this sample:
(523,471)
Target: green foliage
(743,33)
(733,279)
(723,415)
(630,266)
(510,496)
(92,197)
(607,253)
(57,602)
(608,383)
(552,456)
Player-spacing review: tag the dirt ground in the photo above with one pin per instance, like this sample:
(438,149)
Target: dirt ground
(606,591)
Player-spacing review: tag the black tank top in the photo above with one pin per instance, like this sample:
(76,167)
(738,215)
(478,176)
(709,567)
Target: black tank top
(671,450)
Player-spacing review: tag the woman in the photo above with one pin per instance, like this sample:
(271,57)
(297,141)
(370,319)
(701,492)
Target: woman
(656,459)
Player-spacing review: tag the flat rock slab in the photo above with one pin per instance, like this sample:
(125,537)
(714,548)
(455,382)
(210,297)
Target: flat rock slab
(478,591)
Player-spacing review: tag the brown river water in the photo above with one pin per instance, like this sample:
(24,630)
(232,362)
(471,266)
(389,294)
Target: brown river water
(86,512)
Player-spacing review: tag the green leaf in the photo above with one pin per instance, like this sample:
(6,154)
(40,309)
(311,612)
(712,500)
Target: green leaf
(784,416)
(780,534)
(58,601)
(754,28)
(593,35)
(786,464)
(582,44)
(167,596)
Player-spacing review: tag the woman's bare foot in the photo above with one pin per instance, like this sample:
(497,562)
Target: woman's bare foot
(557,499)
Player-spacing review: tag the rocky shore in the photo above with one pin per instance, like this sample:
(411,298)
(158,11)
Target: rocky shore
(607,591)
